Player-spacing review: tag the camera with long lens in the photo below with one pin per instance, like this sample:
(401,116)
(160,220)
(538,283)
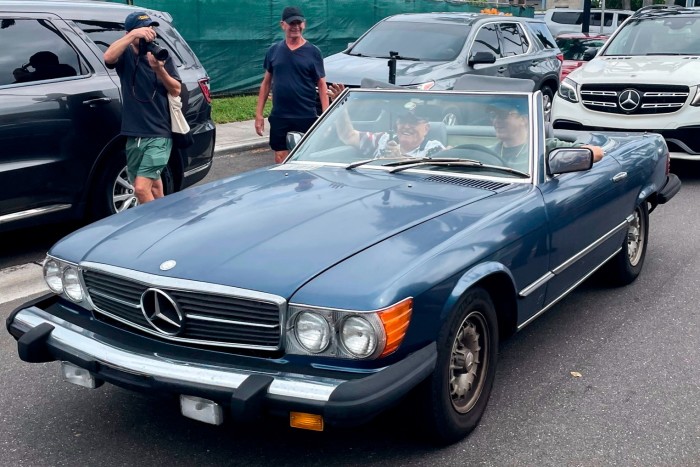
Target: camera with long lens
(156,50)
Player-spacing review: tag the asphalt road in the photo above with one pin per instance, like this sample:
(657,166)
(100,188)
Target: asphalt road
(637,401)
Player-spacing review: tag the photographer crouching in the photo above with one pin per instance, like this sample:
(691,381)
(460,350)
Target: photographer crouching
(147,75)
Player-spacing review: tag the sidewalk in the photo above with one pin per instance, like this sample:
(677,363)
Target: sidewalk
(239,136)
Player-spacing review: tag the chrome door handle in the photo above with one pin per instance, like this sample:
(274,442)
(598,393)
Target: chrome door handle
(620,176)
(502,69)
(97,101)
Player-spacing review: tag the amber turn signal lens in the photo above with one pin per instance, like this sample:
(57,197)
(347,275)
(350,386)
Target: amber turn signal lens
(395,320)
(306,421)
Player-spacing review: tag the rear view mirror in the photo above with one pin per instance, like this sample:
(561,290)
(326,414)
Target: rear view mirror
(293,138)
(565,160)
(482,57)
(590,53)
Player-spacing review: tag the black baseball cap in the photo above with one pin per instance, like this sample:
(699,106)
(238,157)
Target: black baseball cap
(413,112)
(138,19)
(291,14)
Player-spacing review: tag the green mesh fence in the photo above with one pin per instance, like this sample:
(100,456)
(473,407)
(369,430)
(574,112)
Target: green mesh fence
(230,37)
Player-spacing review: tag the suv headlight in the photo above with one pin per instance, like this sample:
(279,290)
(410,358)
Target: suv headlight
(347,333)
(696,100)
(567,90)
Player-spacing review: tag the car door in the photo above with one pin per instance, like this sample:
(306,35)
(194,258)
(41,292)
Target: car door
(486,39)
(59,109)
(585,212)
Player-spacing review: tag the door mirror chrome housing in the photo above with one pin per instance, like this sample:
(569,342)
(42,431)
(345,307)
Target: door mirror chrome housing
(565,160)
(293,138)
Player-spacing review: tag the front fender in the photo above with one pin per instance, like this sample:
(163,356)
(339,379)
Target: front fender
(469,279)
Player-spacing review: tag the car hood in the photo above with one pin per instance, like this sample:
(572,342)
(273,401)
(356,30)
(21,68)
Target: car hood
(349,70)
(642,70)
(270,230)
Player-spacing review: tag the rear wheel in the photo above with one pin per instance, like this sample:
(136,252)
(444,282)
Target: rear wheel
(627,264)
(458,390)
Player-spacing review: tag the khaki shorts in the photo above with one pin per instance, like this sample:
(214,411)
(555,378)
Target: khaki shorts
(147,157)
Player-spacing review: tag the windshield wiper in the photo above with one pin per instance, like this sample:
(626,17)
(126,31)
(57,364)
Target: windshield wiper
(462,163)
(405,159)
(357,54)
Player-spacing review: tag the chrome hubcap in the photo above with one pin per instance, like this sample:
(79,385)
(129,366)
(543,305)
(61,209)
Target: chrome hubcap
(123,194)
(635,239)
(468,363)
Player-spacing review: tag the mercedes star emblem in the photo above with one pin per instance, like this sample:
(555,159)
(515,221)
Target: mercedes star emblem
(167,265)
(162,312)
(629,100)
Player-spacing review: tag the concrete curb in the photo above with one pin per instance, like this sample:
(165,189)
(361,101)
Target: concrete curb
(240,147)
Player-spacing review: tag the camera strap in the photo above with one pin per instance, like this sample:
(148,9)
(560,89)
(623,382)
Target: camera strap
(133,82)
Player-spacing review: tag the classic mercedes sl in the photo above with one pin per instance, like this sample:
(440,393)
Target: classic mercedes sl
(360,271)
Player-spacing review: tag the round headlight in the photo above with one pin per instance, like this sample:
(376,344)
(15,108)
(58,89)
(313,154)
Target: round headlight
(358,336)
(71,284)
(312,331)
(52,276)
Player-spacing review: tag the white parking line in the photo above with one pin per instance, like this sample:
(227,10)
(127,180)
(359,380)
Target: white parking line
(21,281)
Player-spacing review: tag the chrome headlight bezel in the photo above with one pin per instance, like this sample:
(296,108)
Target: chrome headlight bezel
(58,268)
(568,90)
(336,346)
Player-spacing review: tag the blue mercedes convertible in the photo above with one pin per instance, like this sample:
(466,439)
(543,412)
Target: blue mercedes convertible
(388,256)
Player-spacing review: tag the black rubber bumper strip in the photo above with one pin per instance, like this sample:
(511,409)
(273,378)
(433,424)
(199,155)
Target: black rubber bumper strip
(366,397)
(671,187)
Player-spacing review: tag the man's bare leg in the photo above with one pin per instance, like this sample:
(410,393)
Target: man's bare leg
(157,189)
(143,187)
(280,156)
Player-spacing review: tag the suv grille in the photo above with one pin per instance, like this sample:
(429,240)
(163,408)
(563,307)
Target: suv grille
(219,320)
(633,100)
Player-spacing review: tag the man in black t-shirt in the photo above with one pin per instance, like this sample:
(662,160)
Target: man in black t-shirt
(293,70)
(146,83)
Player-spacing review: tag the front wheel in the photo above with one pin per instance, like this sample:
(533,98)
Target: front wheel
(624,267)
(459,388)
(547,99)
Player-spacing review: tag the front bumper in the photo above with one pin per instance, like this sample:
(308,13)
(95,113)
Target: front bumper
(247,393)
(669,190)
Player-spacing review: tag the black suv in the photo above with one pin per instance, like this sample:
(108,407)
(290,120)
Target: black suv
(434,49)
(61,155)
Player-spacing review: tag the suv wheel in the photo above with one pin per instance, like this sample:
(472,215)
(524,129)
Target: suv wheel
(114,193)
(547,98)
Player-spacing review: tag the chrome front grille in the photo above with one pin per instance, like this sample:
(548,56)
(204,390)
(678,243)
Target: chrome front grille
(653,98)
(209,317)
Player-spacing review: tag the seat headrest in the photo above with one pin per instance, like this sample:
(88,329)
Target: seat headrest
(437,131)
(493,83)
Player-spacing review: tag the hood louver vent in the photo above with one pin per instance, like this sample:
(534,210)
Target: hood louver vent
(468,182)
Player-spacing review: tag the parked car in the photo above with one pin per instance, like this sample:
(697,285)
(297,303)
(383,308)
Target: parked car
(60,112)
(328,288)
(578,48)
(644,78)
(569,20)
(434,49)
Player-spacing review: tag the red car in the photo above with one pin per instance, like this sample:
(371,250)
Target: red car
(574,47)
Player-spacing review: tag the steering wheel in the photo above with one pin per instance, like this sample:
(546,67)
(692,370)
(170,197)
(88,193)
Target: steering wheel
(487,156)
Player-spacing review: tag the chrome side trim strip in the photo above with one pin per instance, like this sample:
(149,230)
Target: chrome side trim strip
(550,274)
(196,169)
(591,247)
(565,293)
(81,342)
(539,282)
(15,216)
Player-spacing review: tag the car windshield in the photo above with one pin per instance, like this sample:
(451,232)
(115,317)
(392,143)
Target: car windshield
(422,41)
(405,129)
(574,48)
(666,35)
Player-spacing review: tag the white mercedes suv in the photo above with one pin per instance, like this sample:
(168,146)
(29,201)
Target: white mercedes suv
(645,78)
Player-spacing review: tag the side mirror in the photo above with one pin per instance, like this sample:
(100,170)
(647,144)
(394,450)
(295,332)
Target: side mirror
(565,160)
(481,57)
(590,53)
(293,138)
